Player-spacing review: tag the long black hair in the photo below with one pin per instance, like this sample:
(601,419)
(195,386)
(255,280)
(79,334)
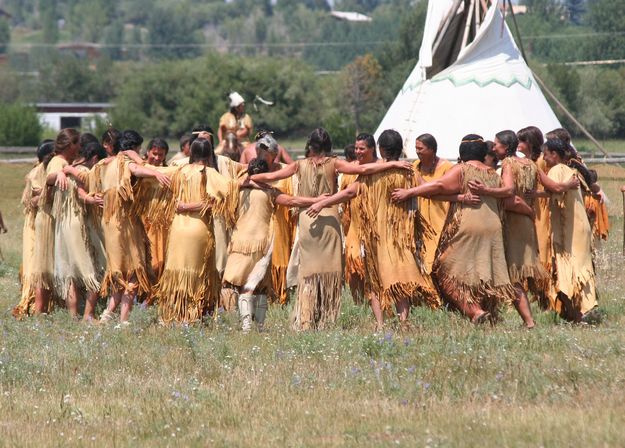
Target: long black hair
(391,144)
(534,138)
(202,150)
(257,166)
(429,141)
(130,139)
(319,143)
(112,137)
(472,147)
(45,151)
(509,140)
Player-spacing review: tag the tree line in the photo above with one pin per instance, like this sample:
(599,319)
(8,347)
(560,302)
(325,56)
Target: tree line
(168,65)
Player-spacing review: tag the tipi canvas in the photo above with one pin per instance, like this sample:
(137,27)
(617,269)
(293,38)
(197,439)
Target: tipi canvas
(487,88)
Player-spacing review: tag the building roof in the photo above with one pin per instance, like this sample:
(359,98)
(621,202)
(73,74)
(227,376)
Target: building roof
(349,16)
(73,107)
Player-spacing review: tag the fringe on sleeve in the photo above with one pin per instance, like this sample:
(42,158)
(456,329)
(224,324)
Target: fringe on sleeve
(225,196)
(27,194)
(154,203)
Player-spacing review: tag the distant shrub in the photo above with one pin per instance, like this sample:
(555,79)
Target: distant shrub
(19,125)
(341,129)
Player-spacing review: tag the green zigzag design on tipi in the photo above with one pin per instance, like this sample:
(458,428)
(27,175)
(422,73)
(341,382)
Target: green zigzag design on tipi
(459,83)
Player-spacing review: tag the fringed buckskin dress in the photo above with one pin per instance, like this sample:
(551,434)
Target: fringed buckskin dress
(520,240)
(387,230)
(434,214)
(190,283)
(252,240)
(471,257)
(354,249)
(35,180)
(572,250)
(125,242)
(284,233)
(78,250)
(317,253)
(42,274)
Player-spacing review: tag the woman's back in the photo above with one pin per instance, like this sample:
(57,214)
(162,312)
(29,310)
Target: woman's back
(471,250)
(316,176)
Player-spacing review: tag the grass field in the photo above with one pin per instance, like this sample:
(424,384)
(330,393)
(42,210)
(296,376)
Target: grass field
(445,383)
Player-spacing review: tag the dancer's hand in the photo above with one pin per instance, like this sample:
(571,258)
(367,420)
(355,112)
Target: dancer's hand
(183,207)
(477,187)
(400,195)
(97,200)
(162,179)
(403,165)
(134,156)
(471,199)
(572,183)
(61,181)
(530,194)
(314,210)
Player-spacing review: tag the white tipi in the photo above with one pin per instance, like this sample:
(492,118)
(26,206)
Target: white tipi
(461,86)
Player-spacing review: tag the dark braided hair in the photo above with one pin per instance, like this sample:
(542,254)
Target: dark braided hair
(472,147)
(509,140)
(319,143)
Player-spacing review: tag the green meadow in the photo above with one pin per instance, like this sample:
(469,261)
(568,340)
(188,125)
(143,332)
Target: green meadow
(442,383)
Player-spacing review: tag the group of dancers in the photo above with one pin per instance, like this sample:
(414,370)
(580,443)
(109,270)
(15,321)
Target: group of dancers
(206,232)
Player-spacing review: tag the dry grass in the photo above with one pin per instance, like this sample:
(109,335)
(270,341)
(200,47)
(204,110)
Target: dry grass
(443,384)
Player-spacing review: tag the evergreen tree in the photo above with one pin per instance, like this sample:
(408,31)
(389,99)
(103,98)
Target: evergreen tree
(114,39)
(576,9)
(5,35)
(172,33)
(49,24)
(606,16)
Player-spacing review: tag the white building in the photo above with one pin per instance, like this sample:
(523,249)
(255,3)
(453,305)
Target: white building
(57,116)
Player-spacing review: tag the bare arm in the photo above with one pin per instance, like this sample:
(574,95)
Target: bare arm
(34,199)
(190,207)
(284,155)
(248,154)
(467,198)
(282,173)
(144,171)
(449,184)
(78,175)
(297,201)
(556,187)
(338,198)
(505,191)
(342,166)
(51,178)
(90,200)
(58,179)
(515,204)
(132,155)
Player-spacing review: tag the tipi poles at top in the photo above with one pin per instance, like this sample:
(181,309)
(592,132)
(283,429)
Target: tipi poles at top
(476,16)
(446,23)
(467,26)
(484,4)
(550,93)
